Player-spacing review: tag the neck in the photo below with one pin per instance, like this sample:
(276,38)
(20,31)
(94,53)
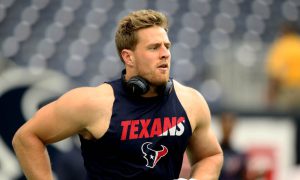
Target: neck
(153,91)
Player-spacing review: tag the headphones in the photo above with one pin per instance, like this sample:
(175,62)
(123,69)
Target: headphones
(137,86)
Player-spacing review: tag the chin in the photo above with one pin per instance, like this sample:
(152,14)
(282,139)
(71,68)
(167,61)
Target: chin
(158,79)
(160,82)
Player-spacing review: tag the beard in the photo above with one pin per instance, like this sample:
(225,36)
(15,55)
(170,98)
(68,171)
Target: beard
(157,80)
(154,78)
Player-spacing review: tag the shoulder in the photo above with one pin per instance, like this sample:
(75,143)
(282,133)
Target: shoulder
(87,95)
(85,101)
(188,93)
(194,104)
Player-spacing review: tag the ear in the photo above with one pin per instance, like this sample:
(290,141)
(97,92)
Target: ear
(127,57)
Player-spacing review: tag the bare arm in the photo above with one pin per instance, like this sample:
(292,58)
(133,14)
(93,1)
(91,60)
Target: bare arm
(204,151)
(75,112)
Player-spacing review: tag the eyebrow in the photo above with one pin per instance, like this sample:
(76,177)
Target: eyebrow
(158,44)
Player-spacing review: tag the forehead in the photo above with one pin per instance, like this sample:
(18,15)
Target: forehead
(151,35)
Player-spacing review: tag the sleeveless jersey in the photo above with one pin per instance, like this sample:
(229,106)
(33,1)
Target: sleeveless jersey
(146,139)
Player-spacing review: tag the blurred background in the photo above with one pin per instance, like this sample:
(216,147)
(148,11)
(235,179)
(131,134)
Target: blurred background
(219,47)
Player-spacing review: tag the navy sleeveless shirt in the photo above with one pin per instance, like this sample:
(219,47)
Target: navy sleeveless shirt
(146,139)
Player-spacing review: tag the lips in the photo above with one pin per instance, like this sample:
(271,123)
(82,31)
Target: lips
(163,66)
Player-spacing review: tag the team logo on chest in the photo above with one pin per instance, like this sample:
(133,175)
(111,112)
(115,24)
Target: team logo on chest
(153,156)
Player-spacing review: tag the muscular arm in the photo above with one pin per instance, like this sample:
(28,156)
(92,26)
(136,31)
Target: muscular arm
(204,151)
(75,112)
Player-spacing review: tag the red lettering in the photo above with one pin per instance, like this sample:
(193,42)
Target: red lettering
(133,129)
(125,125)
(156,128)
(180,120)
(138,129)
(174,121)
(167,124)
(144,132)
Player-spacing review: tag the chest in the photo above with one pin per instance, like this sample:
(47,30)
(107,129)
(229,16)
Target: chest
(161,123)
(149,135)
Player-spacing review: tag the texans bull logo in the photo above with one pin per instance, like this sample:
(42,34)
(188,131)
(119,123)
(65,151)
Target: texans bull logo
(153,156)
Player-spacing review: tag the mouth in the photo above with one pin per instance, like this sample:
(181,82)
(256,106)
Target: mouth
(163,66)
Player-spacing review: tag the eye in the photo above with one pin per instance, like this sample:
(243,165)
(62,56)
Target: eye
(168,46)
(153,47)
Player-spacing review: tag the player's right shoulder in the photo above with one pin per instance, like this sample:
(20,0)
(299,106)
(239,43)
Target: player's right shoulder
(85,104)
(102,90)
(87,97)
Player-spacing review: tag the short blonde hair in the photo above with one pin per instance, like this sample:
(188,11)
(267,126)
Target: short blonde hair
(126,35)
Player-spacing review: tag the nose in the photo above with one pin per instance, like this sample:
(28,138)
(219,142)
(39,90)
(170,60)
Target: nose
(164,52)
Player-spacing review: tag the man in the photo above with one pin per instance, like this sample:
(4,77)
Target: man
(136,127)
(282,69)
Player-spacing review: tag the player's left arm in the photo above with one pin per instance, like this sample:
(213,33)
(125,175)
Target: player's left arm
(204,151)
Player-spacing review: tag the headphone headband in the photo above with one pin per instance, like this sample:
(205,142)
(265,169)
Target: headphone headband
(137,86)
